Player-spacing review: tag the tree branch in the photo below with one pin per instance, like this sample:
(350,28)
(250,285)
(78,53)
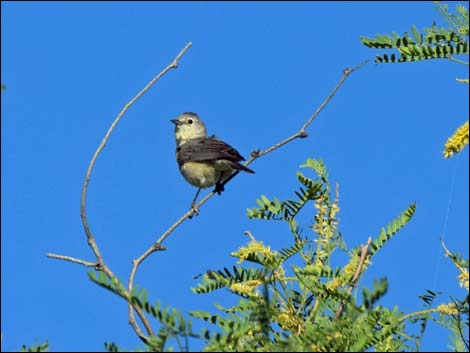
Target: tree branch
(451,58)
(72,259)
(91,240)
(100,263)
(302,132)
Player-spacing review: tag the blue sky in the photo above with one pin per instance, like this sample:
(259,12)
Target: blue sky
(255,73)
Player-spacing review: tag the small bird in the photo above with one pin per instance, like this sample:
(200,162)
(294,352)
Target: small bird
(204,161)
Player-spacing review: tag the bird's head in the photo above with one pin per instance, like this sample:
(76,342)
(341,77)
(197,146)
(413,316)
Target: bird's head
(188,126)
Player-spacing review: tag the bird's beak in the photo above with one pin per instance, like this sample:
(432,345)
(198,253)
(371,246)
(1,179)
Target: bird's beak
(176,122)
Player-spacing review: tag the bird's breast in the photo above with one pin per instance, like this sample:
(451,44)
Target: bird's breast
(205,174)
(200,174)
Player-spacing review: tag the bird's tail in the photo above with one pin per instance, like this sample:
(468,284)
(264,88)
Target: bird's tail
(239,166)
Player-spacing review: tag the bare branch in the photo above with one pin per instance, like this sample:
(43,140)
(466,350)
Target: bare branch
(249,235)
(90,237)
(72,259)
(100,264)
(451,58)
(301,133)
(364,252)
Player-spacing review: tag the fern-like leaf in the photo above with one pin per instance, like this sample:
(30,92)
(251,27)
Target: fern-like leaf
(219,279)
(44,347)
(111,347)
(392,228)
(435,44)
(286,253)
(114,285)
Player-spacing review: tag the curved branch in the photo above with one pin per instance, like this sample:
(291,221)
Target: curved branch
(100,263)
(91,240)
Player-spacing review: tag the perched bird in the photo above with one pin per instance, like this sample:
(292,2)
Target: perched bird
(204,161)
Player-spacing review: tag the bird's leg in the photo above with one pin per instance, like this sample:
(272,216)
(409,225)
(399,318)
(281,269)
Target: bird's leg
(219,187)
(194,209)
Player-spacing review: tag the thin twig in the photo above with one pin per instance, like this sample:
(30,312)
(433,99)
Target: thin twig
(249,235)
(72,259)
(301,133)
(457,60)
(364,252)
(100,264)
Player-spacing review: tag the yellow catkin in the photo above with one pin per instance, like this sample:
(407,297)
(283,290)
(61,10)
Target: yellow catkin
(457,141)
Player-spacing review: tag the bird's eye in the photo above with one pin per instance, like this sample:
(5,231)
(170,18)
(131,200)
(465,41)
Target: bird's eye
(190,121)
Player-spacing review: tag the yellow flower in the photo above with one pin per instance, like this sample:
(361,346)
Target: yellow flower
(447,309)
(463,277)
(254,246)
(280,274)
(457,141)
(247,287)
(334,283)
(289,321)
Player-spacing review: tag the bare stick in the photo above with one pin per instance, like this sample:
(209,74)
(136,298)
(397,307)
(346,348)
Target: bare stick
(254,155)
(364,252)
(457,60)
(72,259)
(100,264)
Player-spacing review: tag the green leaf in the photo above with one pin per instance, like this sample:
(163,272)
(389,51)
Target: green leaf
(113,285)
(224,279)
(416,35)
(44,347)
(392,228)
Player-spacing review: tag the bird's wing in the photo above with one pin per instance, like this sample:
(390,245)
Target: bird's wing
(207,149)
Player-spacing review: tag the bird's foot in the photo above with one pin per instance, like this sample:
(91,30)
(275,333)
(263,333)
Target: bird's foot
(219,188)
(194,210)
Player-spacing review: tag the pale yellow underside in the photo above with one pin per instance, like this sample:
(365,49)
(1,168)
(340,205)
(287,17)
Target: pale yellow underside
(205,174)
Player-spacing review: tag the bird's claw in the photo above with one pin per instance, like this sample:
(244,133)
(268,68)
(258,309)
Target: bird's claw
(219,188)
(194,210)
